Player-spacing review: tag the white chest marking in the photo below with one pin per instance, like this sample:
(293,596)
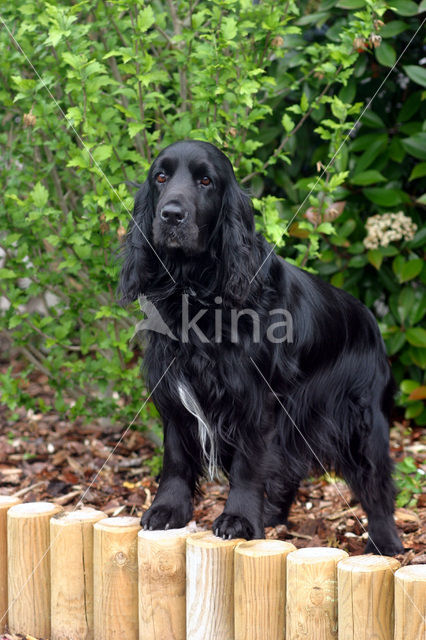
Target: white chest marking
(205,432)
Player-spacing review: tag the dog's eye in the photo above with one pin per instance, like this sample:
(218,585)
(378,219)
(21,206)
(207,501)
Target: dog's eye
(161,177)
(205,181)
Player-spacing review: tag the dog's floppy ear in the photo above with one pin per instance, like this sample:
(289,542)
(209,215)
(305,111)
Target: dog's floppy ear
(237,239)
(139,260)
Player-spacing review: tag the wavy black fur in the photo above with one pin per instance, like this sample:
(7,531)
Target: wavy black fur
(333,382)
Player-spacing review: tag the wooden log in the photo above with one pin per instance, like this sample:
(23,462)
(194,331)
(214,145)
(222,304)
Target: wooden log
(28,542)
(210,587)
(260,589)
(410,603)
(311,606)
(115,560)
(162,584)
(5,503)
(366,600)
(71,565)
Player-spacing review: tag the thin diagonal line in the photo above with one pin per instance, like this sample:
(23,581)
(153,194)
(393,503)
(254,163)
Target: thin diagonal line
(84,144)
(121,438)
(328,475)
(341,145)
(79,503)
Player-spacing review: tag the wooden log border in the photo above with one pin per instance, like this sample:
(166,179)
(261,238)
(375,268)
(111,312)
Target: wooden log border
(84,576)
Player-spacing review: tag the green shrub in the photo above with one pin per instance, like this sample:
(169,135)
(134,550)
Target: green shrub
(278,86)
(409,481)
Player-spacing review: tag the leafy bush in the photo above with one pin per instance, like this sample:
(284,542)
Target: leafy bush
(278,87)
(409,481)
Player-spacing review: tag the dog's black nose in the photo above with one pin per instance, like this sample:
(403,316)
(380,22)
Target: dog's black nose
(173,214)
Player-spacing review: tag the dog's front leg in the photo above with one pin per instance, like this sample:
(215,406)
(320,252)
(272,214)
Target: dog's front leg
(243,513)
(173,505)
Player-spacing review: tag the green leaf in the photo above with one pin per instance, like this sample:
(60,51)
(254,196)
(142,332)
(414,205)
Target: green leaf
(229,28)
(411,269)
(385,54)
(393,28)
(396,150)
(55,35)
(338,279)
(410,106)
(325,227)
(309,18)
(304,104)
(182,127)
(407,386)
(83,251)
(198,19)
(39,195)
(418,356)
(413,410)
(368,177)
(358,261)
(418,240)
(371,119)
(351,4)
(338,109)
(395,343)
(371,153)
(287,123)
(416,145)
(405,302)
(397,265)
(146,18)
(419,171)
(421,199)
(356,247)
(134,128)
(375,257)
(389,251)
(102,152)
(407,465)
(7,273)
(416,73)
(383,197)
(74,61)
(75,115)
(418,309)
(347,227)
(15,321)
(416,336)
(404,7)
(366,141)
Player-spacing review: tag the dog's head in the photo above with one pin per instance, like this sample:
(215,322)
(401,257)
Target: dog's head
(190,207)
(187,181)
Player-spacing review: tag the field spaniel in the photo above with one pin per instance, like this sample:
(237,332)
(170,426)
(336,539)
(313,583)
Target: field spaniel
(264,371)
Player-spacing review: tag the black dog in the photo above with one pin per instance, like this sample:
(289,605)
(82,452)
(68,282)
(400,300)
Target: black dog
(239,388)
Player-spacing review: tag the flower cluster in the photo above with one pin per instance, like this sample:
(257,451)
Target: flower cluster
(388,227)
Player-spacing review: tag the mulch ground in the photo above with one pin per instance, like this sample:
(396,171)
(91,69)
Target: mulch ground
(47,457)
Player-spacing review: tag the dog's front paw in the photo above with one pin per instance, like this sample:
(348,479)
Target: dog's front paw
(229,526)
(163,516)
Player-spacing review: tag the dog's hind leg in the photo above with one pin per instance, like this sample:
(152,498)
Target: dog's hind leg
(276,509)
(368,472)
(285,472)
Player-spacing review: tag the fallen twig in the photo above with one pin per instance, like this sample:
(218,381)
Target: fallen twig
(22,492)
